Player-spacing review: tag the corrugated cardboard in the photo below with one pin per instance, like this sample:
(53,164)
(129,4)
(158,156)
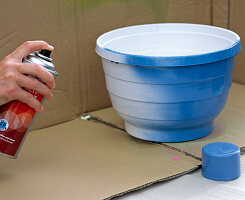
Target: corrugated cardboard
(220,13)
(84,160)
(49,21)
(236,23)
(229,126)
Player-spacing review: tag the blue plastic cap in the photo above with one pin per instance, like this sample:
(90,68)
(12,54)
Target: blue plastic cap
(221,161)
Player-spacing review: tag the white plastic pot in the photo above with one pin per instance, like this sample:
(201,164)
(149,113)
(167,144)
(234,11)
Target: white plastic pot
(168,81)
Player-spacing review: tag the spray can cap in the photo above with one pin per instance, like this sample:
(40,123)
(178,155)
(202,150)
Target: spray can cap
(45,53)
(221,161)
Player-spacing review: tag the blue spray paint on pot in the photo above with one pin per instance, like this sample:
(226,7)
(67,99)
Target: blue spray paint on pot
(168,81)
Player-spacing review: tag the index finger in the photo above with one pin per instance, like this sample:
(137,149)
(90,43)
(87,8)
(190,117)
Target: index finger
(37,71)
(29,46)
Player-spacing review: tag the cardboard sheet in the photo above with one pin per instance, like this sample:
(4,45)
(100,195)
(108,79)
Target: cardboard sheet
(229,126)
(220,13)
(236,23)
(46,20)
(85,160)
(195,188)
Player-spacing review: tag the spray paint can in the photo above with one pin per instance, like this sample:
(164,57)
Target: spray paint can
(16,117)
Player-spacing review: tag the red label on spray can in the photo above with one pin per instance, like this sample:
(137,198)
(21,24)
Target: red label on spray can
(15,119)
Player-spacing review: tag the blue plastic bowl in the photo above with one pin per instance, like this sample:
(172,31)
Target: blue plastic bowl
(168,81)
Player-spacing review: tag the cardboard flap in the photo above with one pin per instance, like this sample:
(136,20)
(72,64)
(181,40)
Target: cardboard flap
(236,23)
(50,21)
(220,13)
(228,127)
(85,160)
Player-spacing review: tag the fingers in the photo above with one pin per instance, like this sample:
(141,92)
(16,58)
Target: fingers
(28,99)
(12,76)
(37,71)
(34,84)
(29,46)
(14,92)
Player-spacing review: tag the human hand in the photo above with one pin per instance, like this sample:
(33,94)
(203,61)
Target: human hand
(13,78)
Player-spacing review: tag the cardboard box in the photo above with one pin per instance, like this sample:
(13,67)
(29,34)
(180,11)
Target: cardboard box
(70,158)
(236,24)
